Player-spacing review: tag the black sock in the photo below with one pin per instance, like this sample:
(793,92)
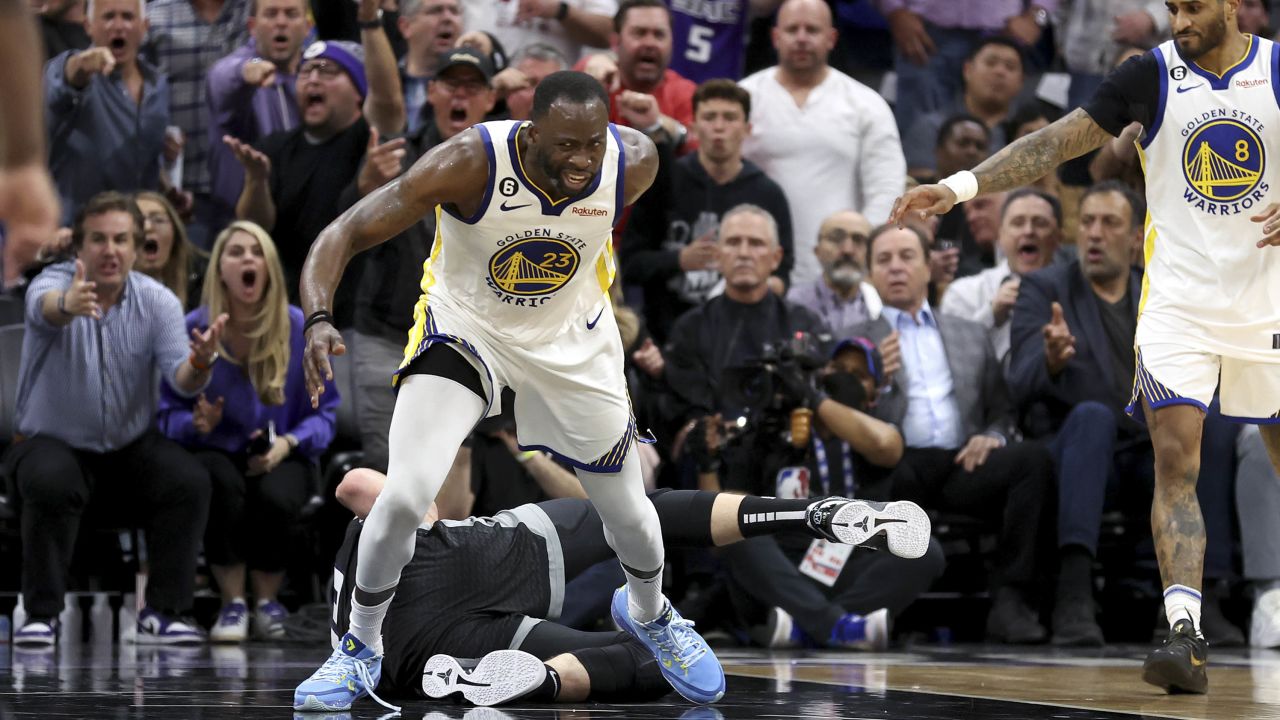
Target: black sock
(685,516)
(765,516)
(549,690)
(1075,573)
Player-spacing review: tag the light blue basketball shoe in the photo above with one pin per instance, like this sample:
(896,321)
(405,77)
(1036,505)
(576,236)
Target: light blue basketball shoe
(350,673)
(684,657)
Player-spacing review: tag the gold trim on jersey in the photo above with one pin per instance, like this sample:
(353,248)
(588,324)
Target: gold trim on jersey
(1148,236)
(606,268)
(1248,49)
(420,318)
(525,173)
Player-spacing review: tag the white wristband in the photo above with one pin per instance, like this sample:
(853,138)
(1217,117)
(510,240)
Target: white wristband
(964,184)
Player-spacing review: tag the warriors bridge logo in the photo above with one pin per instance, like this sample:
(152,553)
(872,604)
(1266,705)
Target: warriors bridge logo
(531,267)
(1223,163)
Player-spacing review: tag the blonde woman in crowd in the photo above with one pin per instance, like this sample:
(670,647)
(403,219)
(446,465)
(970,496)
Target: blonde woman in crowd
(253,427)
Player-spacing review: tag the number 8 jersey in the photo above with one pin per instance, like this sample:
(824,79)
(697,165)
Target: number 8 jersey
(1209,166)
(525,267)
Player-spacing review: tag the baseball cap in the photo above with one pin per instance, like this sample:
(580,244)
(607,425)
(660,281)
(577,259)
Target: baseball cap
(466,57)
(869,350)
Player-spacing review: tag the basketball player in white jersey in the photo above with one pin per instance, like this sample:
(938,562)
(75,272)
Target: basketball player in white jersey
(513,295)
(1209,104)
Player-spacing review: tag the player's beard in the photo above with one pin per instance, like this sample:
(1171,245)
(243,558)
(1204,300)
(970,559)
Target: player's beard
(555,175)
(1211,37)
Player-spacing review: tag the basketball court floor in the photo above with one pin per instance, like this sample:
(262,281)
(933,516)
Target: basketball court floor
(955,682)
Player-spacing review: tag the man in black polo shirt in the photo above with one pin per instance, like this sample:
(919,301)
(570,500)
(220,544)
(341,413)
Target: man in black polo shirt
(295,180)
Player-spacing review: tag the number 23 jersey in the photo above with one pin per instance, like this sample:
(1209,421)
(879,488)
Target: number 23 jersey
(1207,156)
(525,267)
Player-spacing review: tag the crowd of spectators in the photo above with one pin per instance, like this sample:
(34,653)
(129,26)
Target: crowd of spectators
(781,340)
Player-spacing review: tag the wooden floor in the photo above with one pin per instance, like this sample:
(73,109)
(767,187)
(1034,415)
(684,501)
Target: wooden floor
(924,683)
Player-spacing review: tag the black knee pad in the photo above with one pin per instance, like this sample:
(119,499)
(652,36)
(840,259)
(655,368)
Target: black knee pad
(624,672)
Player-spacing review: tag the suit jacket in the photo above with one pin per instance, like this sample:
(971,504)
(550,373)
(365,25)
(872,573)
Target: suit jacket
(1044,401)
(979,388)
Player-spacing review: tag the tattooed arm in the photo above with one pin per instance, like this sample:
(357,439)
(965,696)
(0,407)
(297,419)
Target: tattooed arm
(1026,160)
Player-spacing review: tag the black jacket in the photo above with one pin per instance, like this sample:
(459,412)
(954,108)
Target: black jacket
(1044,401)
(391,284)
(684,204)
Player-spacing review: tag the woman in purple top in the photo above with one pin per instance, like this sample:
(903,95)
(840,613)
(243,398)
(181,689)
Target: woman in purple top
(253,427)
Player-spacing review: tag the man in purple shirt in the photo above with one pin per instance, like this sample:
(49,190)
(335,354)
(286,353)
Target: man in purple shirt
(933,38)
(251,93)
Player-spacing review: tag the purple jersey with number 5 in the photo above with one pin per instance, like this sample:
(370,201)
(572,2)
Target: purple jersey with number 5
(708,38)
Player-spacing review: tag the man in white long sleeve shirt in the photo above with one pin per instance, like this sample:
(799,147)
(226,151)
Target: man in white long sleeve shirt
(828,140)
(1030,230)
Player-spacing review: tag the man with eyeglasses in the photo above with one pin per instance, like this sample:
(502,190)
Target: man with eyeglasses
(841,297)
(298,181)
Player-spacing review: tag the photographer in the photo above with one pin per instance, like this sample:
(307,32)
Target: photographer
(253,427)
(722,362)
(731,330)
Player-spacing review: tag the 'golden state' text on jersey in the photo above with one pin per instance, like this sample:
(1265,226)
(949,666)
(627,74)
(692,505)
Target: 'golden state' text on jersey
(526,266)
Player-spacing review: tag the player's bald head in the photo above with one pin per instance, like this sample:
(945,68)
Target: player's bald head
(806,10)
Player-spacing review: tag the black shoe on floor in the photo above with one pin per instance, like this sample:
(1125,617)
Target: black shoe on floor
(1178,666)
(1214,625)
(1012,621)
(1075,624)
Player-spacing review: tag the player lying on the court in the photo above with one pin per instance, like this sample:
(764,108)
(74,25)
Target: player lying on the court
(478,588)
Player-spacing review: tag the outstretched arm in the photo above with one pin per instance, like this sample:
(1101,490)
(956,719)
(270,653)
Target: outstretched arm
(642,162)
(1026,160)
(454,171)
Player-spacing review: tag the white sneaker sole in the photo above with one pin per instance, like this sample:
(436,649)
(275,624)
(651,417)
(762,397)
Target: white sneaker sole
(501,676)
(313,704)
(905,525)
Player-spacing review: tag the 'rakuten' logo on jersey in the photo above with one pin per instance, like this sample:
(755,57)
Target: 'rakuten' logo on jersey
(588,212)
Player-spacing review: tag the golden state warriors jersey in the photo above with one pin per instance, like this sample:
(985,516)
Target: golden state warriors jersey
(525,267)
(1209,164)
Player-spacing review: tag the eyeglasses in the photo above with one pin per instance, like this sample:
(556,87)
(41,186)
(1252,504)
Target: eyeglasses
(327,70)
(469,87)
(840,237)
(158,219)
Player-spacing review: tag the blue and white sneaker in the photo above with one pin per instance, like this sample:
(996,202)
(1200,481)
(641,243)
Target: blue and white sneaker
(37,633)
(157,629)
(861,632)
(232,625)
(350,673)
(687,662)
(268,621)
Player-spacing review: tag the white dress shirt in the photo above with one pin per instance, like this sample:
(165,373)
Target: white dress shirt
(970,298)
